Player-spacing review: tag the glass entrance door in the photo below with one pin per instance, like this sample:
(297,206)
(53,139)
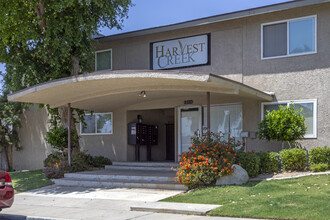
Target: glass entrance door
(190,122)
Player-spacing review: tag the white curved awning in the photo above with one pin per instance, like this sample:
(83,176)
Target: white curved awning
(88,90)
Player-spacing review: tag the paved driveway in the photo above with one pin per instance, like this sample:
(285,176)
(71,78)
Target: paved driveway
(55,202)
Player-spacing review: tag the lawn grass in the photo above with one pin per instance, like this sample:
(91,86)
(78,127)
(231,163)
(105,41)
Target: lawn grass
(28,180)
(300,198)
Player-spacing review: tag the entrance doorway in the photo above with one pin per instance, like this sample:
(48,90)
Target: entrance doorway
(165,147)
(190,121)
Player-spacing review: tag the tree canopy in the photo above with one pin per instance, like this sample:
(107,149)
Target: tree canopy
(285,124)
(42,40)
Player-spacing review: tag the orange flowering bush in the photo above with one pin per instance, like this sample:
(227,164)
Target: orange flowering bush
(209,158)
(54,159)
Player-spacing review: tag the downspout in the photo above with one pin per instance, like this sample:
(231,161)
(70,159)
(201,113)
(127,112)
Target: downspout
(69,134)
(208,113)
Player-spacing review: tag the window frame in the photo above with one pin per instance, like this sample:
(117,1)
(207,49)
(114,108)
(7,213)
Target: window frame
(101,51)
(287,21)
(215,105)
(287,103)
(99,113)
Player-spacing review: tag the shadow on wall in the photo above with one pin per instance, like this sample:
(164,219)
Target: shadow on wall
(276,146)
(32,139)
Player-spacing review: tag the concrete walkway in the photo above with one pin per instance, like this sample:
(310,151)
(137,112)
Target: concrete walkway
(55,202)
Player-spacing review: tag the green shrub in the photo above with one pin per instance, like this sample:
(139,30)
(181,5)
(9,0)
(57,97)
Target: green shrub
(57,137)
(320,167)
(275,161)
(99,161)
(320,155)
(293,159)
(250,162)
(284,124)
(79,162)
(269,162)
(56,164)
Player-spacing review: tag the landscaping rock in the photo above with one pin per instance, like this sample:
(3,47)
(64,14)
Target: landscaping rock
(239,177)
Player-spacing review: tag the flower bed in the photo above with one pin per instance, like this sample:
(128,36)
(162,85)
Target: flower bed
(209,158)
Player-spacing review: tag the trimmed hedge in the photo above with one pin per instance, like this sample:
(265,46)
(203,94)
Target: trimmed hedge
(320,167)
(269,162)
(320,155)
(294,159)
(250,162)
(100,161)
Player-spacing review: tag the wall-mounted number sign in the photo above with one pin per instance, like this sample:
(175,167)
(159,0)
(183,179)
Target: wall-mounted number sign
(183,52)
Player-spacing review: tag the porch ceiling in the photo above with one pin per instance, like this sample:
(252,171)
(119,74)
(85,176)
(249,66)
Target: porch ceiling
(121,88)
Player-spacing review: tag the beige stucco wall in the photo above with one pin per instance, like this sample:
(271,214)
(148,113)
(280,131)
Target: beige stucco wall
(32,139)
(109,145)
(235,53)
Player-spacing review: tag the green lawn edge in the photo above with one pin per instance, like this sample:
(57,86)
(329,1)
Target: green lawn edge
(28,180)
(298,198)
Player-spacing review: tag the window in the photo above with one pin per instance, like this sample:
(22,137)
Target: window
(103,60)
(225,118)
(289,38)
(309,109)
(97,123)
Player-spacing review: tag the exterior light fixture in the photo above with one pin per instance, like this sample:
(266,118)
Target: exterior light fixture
(143,94)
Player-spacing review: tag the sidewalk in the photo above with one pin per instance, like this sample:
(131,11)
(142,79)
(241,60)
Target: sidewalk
(54,202)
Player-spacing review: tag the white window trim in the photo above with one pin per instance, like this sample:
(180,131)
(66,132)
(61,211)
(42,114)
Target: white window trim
(287,103)
(100,51)
(87,134)
(288,38)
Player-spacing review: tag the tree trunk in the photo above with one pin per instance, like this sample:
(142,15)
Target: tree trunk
(63,112)
(5,150)
(75,65)
(40,10)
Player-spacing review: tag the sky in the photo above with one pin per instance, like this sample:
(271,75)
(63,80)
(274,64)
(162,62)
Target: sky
(153,13)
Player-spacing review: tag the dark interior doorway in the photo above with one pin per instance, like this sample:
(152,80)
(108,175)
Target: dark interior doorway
(165,147)
(170,136)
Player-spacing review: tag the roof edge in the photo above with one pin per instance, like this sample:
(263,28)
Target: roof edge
(169,74)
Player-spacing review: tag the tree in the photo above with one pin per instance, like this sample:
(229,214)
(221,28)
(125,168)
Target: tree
(42,40)
(9,123)
(285,124)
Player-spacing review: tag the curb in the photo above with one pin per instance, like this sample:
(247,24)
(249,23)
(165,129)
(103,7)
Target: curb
(289,177)
(297,176)
(175,208)
(23,217)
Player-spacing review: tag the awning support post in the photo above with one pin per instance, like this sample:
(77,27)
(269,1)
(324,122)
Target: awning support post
(69,134)
(208,112)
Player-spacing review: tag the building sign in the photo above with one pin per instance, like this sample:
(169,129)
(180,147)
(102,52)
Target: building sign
(183,52)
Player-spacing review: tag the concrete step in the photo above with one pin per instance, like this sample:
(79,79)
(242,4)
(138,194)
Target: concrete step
(170,185)
(146,164)
(126,175)
(117,167)
(118,177)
